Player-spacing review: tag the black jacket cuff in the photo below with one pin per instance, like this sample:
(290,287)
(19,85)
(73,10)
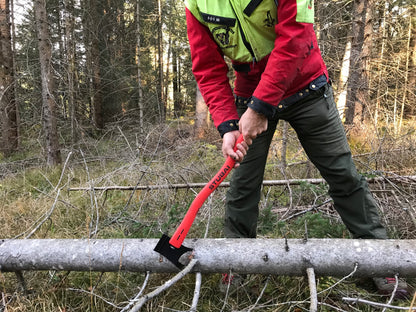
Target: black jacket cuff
(227,126)
(261,107)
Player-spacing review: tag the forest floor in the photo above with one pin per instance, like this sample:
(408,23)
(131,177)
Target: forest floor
(36,202)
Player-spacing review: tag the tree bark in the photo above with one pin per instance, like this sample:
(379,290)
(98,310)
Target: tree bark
(328,257)
(139,70)
(8,107)
(202,117)
(48,87)
(412,58)
(70,57)
(162,100)
(357,84)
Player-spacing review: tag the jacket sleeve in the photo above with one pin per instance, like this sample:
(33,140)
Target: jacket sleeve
(293,44)
(210,71)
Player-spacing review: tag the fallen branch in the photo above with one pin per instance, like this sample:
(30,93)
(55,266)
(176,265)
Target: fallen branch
(227,184)
(136,298)
(312,289)
(165,286)
(377,304)
(328,257)
(197,292)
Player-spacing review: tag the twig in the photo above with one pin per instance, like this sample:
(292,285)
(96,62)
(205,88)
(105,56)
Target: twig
(93,198)
(261,295)
(377,304)
(226,294)
(47,216)
(146,280)
(197,291)
(125,139)
(95,295)
(165,286)
(341,280)
(63,171)
(49,213)
(312,289)
(413,302)
(314,207)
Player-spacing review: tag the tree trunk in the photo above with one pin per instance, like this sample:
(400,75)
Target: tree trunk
(202,117)
(8,106)
(48,100)
(343,81)
(412,59)
(328,257)
(380,69)
(162,100)
(70,56)
(97,96)
(139,71)
(357,85)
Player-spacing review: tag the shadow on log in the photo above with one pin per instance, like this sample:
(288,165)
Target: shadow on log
(328,257)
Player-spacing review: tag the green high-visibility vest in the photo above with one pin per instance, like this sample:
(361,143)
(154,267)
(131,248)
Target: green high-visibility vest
(243,29)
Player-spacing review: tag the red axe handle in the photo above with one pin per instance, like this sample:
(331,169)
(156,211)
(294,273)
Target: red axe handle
(183,229)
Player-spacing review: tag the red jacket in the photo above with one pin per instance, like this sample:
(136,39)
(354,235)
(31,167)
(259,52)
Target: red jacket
(294,62)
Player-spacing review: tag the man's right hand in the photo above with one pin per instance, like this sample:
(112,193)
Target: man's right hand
(252,124)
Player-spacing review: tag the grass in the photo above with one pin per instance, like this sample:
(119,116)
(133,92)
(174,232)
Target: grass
(28,195)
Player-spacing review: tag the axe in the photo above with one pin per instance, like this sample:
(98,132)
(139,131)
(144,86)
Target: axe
(171,247)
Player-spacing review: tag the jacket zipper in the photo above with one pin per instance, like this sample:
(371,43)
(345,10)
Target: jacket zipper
(243,36)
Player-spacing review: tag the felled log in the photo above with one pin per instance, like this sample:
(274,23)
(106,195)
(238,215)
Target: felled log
(328,257)
(407,179)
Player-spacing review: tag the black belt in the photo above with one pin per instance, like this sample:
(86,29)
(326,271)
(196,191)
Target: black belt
(314,86)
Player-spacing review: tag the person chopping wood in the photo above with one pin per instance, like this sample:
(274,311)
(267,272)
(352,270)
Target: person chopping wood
(279,75)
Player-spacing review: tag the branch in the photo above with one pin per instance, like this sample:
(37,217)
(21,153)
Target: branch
(197,292)
(377,304)
(396,279)
(226,184)
(49,213)
(136,298)
(312,289)
(165,286)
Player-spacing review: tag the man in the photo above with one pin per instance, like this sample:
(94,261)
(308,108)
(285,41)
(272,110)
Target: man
(280,74)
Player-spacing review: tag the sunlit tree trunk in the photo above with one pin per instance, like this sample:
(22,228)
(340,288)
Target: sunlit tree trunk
(202,117)
(357,84)
(8,106)
(412,58)
(343,80)
(48,101)
(406,74)
(380,68)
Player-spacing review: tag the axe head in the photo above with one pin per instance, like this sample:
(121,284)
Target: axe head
(170,252)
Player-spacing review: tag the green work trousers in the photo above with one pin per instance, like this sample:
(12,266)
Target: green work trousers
(320,131)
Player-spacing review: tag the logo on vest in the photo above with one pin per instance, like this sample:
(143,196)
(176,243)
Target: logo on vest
(269,21)
(222,36)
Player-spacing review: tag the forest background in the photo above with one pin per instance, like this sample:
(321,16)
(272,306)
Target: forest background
(101,93)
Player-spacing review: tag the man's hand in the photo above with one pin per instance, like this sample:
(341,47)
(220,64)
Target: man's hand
(252,124)
(228,142)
